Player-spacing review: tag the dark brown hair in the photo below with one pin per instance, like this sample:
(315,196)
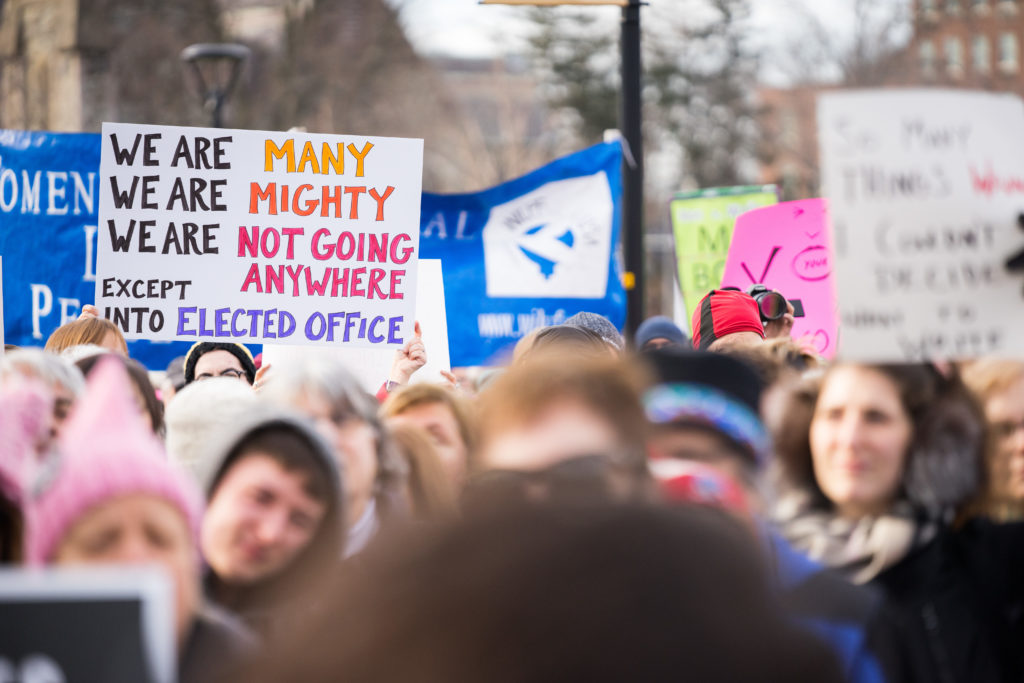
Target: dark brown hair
(290,450)
(533,594)
(140,378)
(944,460)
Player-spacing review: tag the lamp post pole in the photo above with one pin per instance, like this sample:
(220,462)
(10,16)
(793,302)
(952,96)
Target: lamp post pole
(632,174)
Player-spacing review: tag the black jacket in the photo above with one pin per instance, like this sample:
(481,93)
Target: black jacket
(958,602)
(217,645)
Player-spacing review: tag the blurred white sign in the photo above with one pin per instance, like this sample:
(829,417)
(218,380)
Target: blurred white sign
(924,187)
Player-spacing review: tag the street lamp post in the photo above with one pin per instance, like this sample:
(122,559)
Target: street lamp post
(214,87)
(631,128)
(633,175)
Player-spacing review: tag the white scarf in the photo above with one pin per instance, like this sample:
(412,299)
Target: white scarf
(860,549)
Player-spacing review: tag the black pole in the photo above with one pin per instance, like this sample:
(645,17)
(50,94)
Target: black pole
(632,176)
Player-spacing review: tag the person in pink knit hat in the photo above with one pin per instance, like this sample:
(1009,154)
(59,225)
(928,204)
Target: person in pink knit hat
(25,426)
(108,495)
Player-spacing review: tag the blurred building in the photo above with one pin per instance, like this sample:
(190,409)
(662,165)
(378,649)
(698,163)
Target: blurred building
(69,65)
(971,44)
(504,115)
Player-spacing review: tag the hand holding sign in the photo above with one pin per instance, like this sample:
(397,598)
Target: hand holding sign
(410,358)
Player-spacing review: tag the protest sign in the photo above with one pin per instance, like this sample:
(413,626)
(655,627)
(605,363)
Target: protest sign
(372,366)
(252,236)
(109,625)
(702,224)
(528,253)
(48,220)
(924,189)
(787,247)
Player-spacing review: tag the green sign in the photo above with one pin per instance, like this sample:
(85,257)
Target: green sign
(702,224)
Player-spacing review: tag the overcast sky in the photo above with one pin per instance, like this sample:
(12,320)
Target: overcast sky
(465,28)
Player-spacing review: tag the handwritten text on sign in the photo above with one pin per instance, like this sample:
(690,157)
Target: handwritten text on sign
(787,247)
(250,236)
(924,190)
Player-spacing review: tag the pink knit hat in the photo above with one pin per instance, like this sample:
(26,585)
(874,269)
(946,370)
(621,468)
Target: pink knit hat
(25,409)
(104,452)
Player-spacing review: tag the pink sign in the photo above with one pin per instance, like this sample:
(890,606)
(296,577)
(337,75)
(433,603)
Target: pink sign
(788,248)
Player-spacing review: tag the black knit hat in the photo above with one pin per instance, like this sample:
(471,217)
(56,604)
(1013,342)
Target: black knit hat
(711,389)
(237,350)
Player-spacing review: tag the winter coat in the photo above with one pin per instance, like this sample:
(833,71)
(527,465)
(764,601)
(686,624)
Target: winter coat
(217,645)
(958,602)
(851,619)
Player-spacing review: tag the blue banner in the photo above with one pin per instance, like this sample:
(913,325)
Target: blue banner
(528,253)
(49,200)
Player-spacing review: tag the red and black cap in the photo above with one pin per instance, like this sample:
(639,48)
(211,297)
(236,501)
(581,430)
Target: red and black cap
(722,312)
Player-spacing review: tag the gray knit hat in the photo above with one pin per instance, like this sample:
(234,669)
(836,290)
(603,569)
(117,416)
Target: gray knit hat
(599,325)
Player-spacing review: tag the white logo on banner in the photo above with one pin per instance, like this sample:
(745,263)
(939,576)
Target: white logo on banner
(552,242)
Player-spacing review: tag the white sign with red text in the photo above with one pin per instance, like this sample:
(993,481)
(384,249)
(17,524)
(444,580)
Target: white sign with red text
(924,188)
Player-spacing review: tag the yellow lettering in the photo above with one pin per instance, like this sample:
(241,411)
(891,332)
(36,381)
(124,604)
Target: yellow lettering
(308,156)
(271,151)
(335,162)
(360,156)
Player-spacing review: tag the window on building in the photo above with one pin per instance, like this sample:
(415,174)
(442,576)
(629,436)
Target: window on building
(1008,62)
(1008,7)
(954,57)
(927,55)
(980,6)
(953,7)
(981,54)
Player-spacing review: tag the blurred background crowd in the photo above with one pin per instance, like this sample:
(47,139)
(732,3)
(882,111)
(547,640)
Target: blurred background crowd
(727,507)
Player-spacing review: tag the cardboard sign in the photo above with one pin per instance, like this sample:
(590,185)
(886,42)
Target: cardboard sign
(372,366)
(788,248)
(111,625)
(702,223)
(925,187)
(251,236)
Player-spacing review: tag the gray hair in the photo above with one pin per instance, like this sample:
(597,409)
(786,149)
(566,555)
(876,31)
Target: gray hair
(52,370)
(296,376)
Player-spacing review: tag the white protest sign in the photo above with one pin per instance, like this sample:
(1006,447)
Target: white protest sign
(924,189)
(251,236)
(87,624)
(372,366)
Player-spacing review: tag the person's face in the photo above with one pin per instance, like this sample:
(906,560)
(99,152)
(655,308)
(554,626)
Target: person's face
(139,529)
(1005,413)
(219,363)
(437,420)
(63,402)
(658,343)
(355,446)
(859,438)
(699,445)
(564,430)
(259,520)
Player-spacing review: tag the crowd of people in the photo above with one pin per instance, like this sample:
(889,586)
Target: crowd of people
(726,507)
